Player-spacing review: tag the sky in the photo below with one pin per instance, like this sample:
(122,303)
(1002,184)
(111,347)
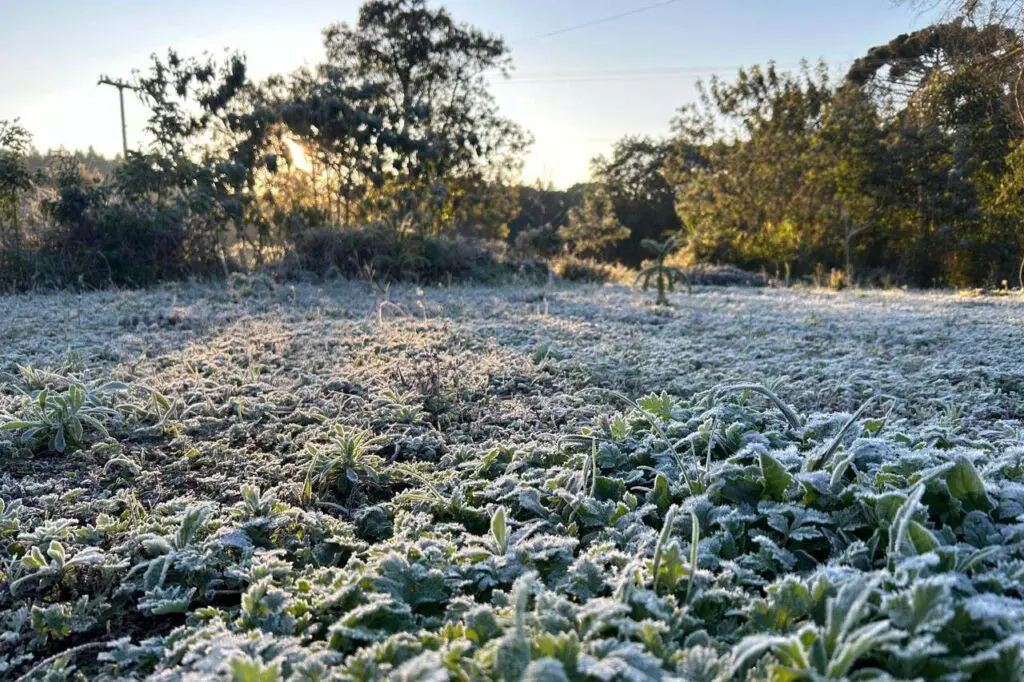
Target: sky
(575,92)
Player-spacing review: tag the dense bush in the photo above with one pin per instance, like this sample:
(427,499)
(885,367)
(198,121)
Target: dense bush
(379,252)
(95,236)
(575,269)
(543,242)
(724,276)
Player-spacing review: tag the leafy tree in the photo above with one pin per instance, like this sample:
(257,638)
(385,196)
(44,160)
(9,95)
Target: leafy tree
(950,118)
(644,201)
(594,228)
(210,126)
(898,169)
(15,176)
(664,276)
(749,186)
(430,71)
(542,205)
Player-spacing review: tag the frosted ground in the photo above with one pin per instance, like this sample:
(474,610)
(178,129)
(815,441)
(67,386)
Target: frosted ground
(212,535)
(945,358)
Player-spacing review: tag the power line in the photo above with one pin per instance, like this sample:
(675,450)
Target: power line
(604,75)
(594,22)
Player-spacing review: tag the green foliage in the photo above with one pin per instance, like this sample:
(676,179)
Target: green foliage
(663,275)
(344,464)
(396,128)
(902,168)
(644,201)
(60,421)
(890,559)
(15,176)
(448,145)
(380,253)
(543,242)
(593,228)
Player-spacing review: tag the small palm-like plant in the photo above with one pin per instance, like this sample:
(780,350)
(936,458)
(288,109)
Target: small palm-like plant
(662,275)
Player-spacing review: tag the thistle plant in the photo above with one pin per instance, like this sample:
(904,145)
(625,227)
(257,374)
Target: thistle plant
(663,276)
(343,464)
(60,420)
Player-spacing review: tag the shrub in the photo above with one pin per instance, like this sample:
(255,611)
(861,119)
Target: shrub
(95,235)
(540,242)
(61,421)
(706,274)
(574,269)
(724,276)
(379,252)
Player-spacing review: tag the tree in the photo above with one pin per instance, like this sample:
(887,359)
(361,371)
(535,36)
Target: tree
(210,127)
(946,93)
(431,72)
(15,176)
(1004,14)
(340,123)
(593,228)
(643,200)
(749,185)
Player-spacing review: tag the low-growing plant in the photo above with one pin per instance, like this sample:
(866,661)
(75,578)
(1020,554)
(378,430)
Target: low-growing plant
(45,569)
(61,420)
(344,463)
(723,536)
(828,651)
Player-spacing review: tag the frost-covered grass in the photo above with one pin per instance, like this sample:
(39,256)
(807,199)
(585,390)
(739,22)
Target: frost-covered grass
(319,483)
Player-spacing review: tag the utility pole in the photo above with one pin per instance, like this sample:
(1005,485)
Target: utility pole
(121,87)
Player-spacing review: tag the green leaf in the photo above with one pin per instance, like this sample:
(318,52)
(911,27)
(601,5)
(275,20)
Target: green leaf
(251,670)
(899,539)
(499,530)
(776,478)
(75,430)
(658,405)
(661,495)
(966,485)
(34,558)
(694,543)
(56,552)
(666,532)
(16,425)
(923,539)
(190,524)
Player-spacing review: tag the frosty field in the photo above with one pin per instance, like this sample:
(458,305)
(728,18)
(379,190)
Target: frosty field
(313,483)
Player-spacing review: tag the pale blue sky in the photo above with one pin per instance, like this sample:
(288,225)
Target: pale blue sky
(575,92)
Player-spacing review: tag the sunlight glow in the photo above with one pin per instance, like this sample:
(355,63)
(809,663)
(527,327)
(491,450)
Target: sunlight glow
(299,159)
